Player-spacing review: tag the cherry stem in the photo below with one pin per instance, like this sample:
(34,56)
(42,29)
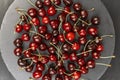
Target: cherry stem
(102,64)
(58,9)
(92,9)
(56,5)
(68,74)
(60,25)
(107,36)
(31,78)
(30,2)
(39,53)
(108,57)
(26,50)
(85,22)
(66,39)
(37,33)
(84,52)
(86,45)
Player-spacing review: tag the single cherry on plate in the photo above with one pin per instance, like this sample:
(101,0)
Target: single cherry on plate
(73,56)
(46,77)
(95,20)
(18,42)
(35,21)
(52,57)
(99,48)
(51,11)
(37,39)
(74,17)
(37,74)
(71,67)
(96,55)
(61,70)
(77,6)
(42,12)
(40,66)
(91,64)
(84,70)
(54,24)
(82,32)
(45,20)
(81,61)
(92,31)
(25,37)
(82,40)
(61,38)
(18,51)
(42,46)
(47,2)
(32,12)
(57,2)
(75,46)
(66,47)
(67,26)
(21,62)
(26,27)
(44,60)
(70,36)
(33,46)
(42,29)
(39,4)
(18,28)
(76,75)
(83,14)
(52,71)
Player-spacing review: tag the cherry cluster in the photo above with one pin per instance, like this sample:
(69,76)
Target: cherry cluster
(57,39)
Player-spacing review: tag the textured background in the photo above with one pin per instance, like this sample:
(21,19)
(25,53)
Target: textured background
(112,73)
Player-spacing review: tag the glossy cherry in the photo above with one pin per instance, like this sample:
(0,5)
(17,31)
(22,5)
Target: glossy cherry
(45,20)
(71,67)
(42,29)
(75,46)
(57,2)
(82,40)
(74,17)
(42,12)
(40,66)
(67,27)
(82,32)
(18,42)
(52,71)
(42,47)
(68,2)
(44,60)
(61,38)
(70,36)
(91,64)
(47,2)
(54,24)
(46,77)
(39,4)
(84,70)
(92,31)
(18,51)
(37,39)
(83,14)
(35,21)
(52,57)
(37,74)
(27,27)
(73,56)
(76,75)
(99,48)
(95,20)
(33,46)
(77,6)
(32,12)
(51,11)
(25,37)
(51,50)
(96,55)
(81,61)
(18,28)
(66,47)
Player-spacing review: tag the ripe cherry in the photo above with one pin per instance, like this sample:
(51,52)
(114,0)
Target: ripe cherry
(51,50)
(32,12)
(39,4)
(77,6)
(46,77)
(52,57)
(42,12)
(54,24)
(95,20)
(18,42)
(70,36)
(71,67)
(55,33)
(61,70)
(48,36)
(83,14)
(95,55)
(44,60)
(33,46)
(84,70)
(29,69)
(28,53)
(92,31)
(40,66)
(73,56)
(61,17)
(82,40)
(35,21)
(75,46)
(99,48)
(35,58)
(91,64)
(81,61)
(76,75)
(18,28)
(42,29)
(54,40)
(37,74)
(51,11)
(68,2)
(66,77)
(18,51)
(66,47)
(52,71)
(27,27)
(82,32)
(66,10)
(45,20)
(61,38)
(58,77)
(25,37)
(21,62)
(37,39)
(67,27)
(42,47)
(65,56)
(74,17)
(57,2)
(47,2)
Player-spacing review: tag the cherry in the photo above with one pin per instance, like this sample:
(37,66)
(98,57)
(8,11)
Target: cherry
(76,75)
(45,20)
(18,28)
(66,47)
(66,10)
(82,40)
(25,37)
(93,31)
(54,24)
(66,77)
(59,63)
(42,47)
(42,29)
(18,42)
(46,77)
(21,62)
(83,14)
(84,70)
(42,12)
(61,38)
(27,27)
(82,32)
(51,50)
(75,46)
(44,60)
(85,54)
(29,69)
(37,74)
(33,46)
(99,48)
(74,17)
(35,58)
(65,56)
(40,66)
(32,12)
(61,70)
(77,6)
(91,64)
(37,39)
(95,20)
(55,33)
(39,4)
(81,61)
(47,2)
(61,17)
(68,2)
(48,36)
(95,55)
(70,36)
(18,51)
(54,40)
(58,77)
(35,21)
(52,57)
(67,26)
(51,11)
(57,2)
(71,67)
(52,71)
(73,56)
(27,53)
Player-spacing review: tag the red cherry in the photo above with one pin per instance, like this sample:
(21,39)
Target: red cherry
(59,63)
(84,70)
(71,67)
(76,75)
(46,77)
(35,21)
(65,56)
(99,48)
(39,4)
(51,11)
(82,40)
(32,12)
(40,66)
(73,57)
(52,57)
(67,27)
(42,47)
(47,2)
(25,37)
(45,20)
(85,54)
(74,17)
(57,2)
(77,6)
(81,61)
(42,29)
(44,60)
(37,39)
(66,10)
(95,20)
(62,17)
(28,53)
(70,36)
(35,58)
(91,64)
(48,36)
(18,28)
(37,74)
(52,71)
(66,77)
(82,32)
(93,31)
(61,70)
(75,46)
(42,12)
(33,46)
(26,27)
(95,55)
(54,24)
(61,38)
(68,2)
(18,51)
(83,14)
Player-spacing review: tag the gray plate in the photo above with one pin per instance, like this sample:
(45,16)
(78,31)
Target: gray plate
(7,37)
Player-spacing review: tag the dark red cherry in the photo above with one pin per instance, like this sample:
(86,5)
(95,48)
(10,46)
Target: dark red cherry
(44,60)
(82,32)
(70,36)
(39,4)
(18,51)
(18,28)
(96,55)
(92,31)
(55,33)
(29,69)
(91,64)
(42,47)
(85,54)
(95,20)
(46,77)
(52,71)
(59,63)
(18,42)
(75,46)
(71,67)
(37,74)
(21,62)
(35,21)
(74,17)
(42,29)
(76,75)
(42,12)
(28,53)
(48,36)
(66,77)
(82,40)
(83,14)
(57,2)
(77,6)
(81,61)
(54,40)
(37,39)
(32,12)
(51,11)
(65,56)
(58,77)
(54,24)
(67,27)
(66,10)
(51,50)
(73,56)
(47,2)
(66,47)
(99,48)
(45,20)
(84,70)
(33,46)
(27,27)
(52,57)
(61,38)
(35,58)
(61,17)
(25,37)
(40,66)
(61,70)
(68,2)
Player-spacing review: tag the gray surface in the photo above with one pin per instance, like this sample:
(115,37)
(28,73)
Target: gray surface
(109,74)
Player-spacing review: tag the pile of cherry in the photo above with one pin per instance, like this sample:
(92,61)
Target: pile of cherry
(58,40)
